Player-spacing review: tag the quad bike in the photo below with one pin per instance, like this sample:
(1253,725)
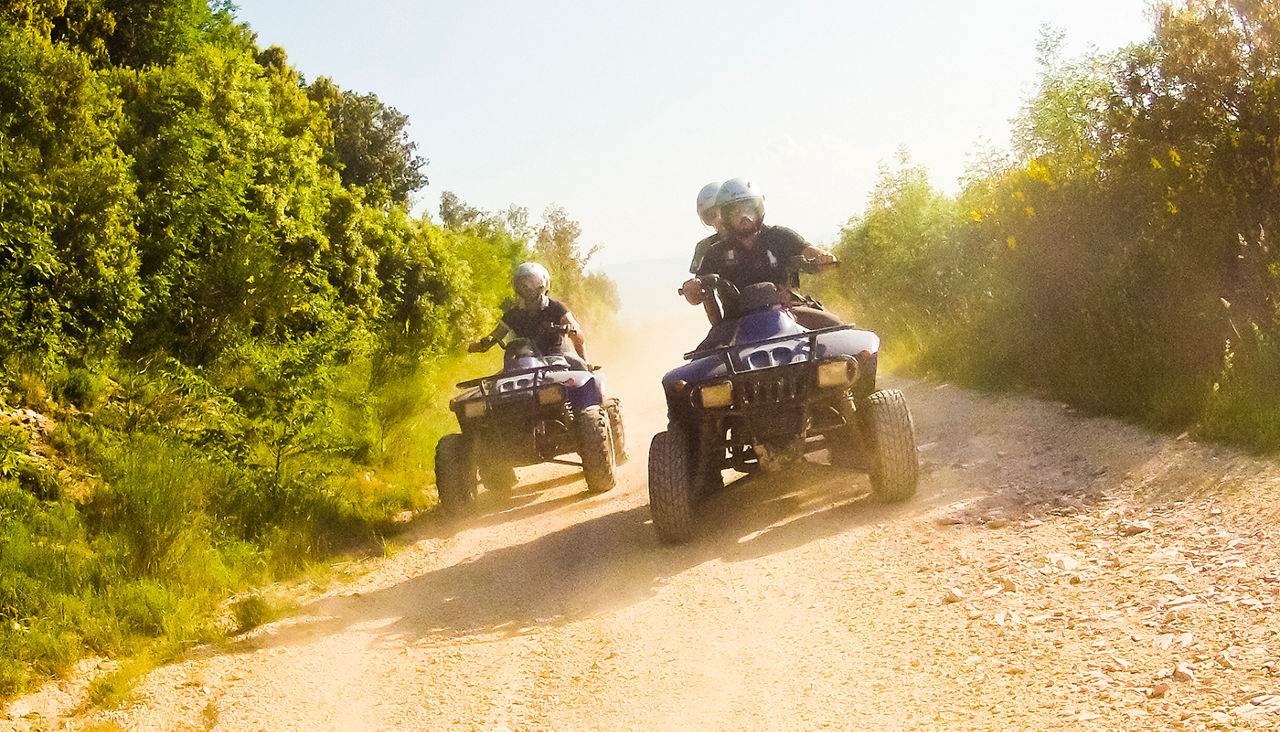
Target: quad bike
(775,393)
(534,410)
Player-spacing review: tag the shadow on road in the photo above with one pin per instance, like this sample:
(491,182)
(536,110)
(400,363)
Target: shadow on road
(592,567)
(972,450)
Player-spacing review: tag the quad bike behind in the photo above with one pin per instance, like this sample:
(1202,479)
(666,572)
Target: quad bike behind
(774,393)
(536,409)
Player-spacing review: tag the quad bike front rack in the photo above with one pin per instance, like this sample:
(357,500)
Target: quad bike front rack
(728,351)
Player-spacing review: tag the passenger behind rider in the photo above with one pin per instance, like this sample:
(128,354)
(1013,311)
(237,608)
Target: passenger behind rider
(709,214)
(749,252)
(536,316)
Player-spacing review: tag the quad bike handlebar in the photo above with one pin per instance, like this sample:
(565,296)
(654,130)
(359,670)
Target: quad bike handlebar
(719,292)
(714,283)
(794,265)
(484,344)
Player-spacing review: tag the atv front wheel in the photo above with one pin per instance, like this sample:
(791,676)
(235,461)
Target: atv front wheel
(455,474)
(671,489)
(893,464)
(595,447)
(619,434)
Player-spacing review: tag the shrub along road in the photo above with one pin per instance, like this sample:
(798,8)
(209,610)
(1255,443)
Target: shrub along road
(1056,571)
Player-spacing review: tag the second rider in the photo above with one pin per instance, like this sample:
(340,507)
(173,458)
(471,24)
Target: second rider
(537,317)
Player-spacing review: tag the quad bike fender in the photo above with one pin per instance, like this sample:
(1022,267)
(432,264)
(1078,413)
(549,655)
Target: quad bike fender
(695,371)
(767,324)
(587,393)
(848,343)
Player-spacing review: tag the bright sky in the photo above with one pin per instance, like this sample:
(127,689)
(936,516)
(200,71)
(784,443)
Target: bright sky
(621,112)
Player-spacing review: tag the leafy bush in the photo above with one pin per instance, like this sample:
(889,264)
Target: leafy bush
(38,479)
(83,388)
(250,612)
(156,499)
(145,606)
(1119,258)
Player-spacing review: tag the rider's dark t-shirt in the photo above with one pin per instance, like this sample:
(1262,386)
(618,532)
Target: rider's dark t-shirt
(766,261)
(536,326)
(700,252)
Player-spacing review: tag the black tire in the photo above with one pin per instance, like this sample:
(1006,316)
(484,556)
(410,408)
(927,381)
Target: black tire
(595,447)
(455,474)
(892,460)
(618,432)
(671,489)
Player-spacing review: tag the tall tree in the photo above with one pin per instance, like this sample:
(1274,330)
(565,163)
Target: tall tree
(371,146)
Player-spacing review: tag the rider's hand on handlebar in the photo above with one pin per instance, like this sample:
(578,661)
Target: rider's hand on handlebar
(692,291)
(479,346)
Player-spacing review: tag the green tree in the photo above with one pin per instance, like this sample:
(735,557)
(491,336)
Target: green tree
(371,147)
(68,264)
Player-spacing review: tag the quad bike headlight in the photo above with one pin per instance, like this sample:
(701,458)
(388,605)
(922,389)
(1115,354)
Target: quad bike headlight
(473,409)
(837,372)
(719,394)
(553,394)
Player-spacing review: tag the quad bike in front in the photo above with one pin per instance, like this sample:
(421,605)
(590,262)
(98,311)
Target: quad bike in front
(777,392)
(536,409)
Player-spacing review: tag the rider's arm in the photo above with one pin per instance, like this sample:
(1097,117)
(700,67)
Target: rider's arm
(488,341)
(575,335)
(821,256)
(792,244)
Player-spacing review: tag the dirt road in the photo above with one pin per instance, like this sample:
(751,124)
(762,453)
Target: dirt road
(1055,572)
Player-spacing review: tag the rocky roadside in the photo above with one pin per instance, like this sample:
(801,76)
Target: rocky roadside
(1146,601)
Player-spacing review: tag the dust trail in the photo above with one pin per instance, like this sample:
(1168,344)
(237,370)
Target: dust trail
(798,604)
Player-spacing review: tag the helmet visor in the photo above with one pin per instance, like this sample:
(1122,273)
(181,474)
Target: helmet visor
(529,286)
(734,212)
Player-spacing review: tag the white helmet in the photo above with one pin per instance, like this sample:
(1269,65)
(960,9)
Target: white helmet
(707,209)
(530,281)
(739,199)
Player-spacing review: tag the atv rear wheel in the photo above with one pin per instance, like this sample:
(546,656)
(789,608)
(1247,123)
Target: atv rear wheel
(455,474)
(893,464)
(671,489)
(618,432)
(595,447)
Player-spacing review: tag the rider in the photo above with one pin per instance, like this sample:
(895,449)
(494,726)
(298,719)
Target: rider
(536,316)
(749,252)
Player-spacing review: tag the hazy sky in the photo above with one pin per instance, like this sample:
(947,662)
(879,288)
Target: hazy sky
(620,112)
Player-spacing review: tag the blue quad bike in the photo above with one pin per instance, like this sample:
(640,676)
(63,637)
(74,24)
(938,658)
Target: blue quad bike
(775,393)
(536,409)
